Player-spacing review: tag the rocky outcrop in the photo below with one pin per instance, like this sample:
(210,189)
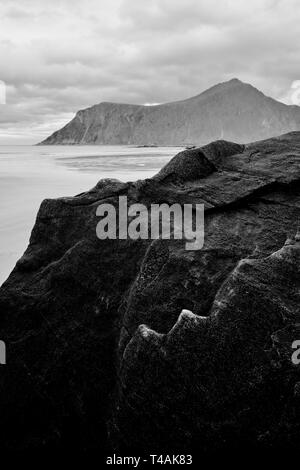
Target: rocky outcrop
(232,110)
(140,344)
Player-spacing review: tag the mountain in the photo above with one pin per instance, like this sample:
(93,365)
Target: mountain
(232,110)
(142,344)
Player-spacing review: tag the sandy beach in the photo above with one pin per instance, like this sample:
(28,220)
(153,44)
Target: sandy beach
(29,174)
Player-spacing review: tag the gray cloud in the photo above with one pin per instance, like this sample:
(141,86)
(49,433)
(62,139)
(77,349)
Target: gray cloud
(65,55)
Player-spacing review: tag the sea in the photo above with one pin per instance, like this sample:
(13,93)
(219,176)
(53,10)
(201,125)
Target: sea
(29,174)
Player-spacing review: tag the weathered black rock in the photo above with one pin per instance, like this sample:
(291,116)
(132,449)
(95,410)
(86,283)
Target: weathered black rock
(143,344)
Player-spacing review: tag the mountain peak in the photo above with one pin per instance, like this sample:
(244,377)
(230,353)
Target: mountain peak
(232,110)
(235,80)
(232,83)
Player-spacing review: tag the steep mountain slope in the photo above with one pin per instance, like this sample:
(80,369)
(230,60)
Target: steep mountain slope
(232,110)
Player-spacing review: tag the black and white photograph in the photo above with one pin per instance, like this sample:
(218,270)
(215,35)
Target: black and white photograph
(150,231)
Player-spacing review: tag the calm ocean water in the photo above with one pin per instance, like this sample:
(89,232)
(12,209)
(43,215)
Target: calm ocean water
(30,174)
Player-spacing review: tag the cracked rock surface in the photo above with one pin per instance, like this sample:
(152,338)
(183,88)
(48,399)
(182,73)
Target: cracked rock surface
(125,344)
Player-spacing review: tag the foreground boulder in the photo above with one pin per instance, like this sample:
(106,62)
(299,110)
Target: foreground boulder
(125,344)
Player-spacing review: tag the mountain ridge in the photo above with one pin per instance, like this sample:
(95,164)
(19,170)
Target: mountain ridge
(231,110)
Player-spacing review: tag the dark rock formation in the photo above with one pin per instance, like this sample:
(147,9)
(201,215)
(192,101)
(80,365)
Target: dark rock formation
(232,110)
(142,344)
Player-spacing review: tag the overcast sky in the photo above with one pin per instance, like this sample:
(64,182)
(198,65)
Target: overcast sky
(58,56)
